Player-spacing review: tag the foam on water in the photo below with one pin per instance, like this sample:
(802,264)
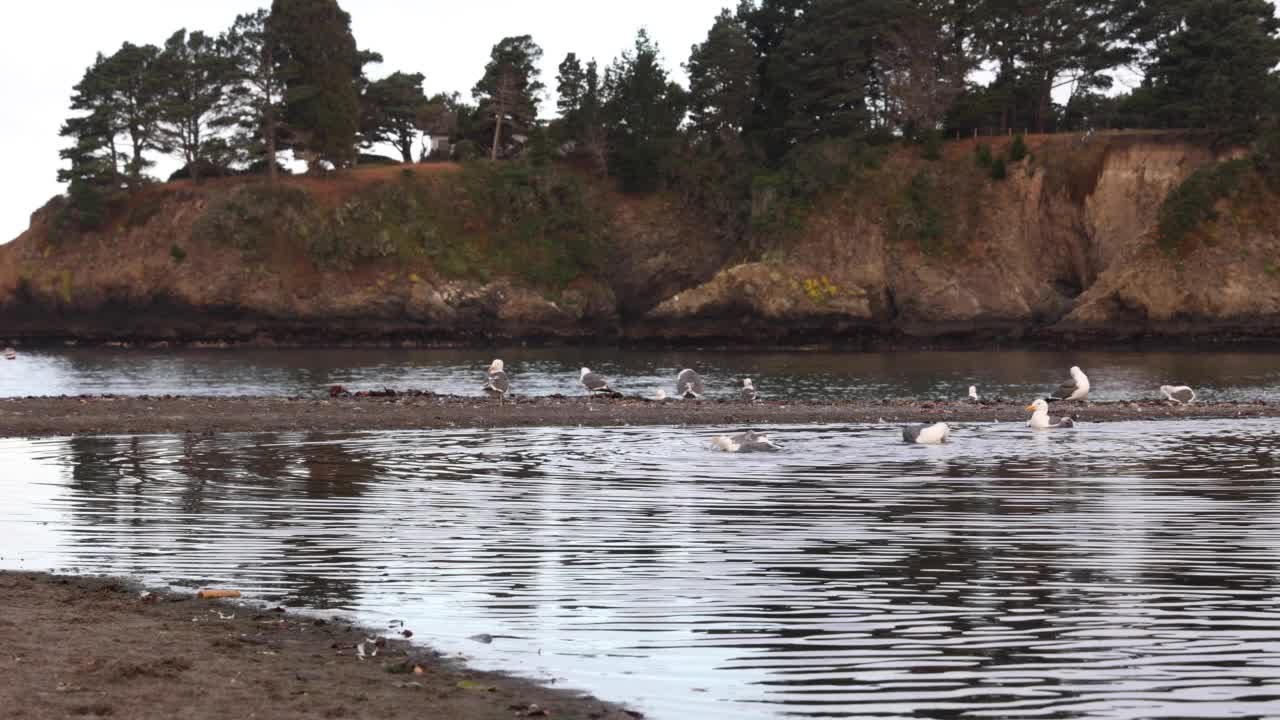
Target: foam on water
(1117,570)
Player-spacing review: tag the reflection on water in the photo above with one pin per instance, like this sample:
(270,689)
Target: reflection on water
(1118,570)
(1015,374)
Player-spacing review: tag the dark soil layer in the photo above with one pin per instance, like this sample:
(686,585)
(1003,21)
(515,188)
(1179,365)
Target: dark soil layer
(85,647)
(120,415)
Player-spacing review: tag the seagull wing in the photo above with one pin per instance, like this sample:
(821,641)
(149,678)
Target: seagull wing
(1064,391)
(498,383)
(595,382)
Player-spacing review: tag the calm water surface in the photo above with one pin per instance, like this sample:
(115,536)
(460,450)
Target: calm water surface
(1014,374)
(1124,570)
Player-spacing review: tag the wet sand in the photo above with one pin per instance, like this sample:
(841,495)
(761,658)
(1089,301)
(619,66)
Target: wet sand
(89,647)
(106,415)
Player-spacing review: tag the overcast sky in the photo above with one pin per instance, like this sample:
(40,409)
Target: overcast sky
(45,47)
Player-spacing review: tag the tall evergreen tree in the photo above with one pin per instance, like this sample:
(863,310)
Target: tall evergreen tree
(320,65)
(642,113)
(195,73)
(924,62)
(133,83)
(390,109)
(571,91)
(92,173)
(258,91)
(768,24)
(722,79)
(509,90)
(1217,70)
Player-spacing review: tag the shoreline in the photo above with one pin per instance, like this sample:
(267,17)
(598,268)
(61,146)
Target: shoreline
(81,646)
(143,415)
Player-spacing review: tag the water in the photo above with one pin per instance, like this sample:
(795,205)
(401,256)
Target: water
(1121,570)
(1013,374)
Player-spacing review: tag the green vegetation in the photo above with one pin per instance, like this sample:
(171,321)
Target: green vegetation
(998,169)
(253,217)
(919,217)
(982,155)
(1018,148)
(177,254)
(1192,203)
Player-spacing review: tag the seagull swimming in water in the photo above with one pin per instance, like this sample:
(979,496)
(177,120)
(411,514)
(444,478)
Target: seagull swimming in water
(1180,394)
(936,434)
(1040,419)
(749,441)
(595,383)
(497,382)
(1075,389)
(748,391)
(689,385)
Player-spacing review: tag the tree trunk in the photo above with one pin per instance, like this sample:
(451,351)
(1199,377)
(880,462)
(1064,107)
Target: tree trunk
(497,132)
(406,150)
(269,114)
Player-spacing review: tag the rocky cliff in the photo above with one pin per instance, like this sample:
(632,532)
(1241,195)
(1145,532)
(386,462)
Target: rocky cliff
(910,251)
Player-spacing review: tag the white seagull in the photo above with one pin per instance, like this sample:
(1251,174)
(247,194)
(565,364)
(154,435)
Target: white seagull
(10,354)
(689,385)
(973,393)
(1040,419)
(748,391)
(936,434)
(749,441)
(1075,389)
(661,395)
(497,382)
(1180,394)
(595,382)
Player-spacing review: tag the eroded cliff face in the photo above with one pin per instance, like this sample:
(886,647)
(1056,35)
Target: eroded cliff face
(1063,249)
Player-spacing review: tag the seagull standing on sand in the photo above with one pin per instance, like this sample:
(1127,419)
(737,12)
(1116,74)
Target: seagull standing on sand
(661,395)
(973,393)
(1040,419)
(1075,389)
(748,391)
(689,385)
(936,434)
(595,383)
(749,441)
(497,382)
(1180,394)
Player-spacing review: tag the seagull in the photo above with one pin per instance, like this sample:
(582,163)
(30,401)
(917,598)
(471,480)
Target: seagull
(1077,388)
(10,354)
(497,383)
(1180,394)
(661,396)
(748,391)
(595,382)
(1040,419)
(973,393)
(749,441)
(689,385)
(926,434)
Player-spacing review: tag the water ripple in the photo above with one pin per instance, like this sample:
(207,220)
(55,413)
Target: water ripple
(1122,570)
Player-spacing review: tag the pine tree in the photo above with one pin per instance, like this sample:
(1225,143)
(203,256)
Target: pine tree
(133,86)
(642,113)
(722,79)
(257,94)
(320,66)
(1216,71)
(390,109)
(195,74)
(508,92)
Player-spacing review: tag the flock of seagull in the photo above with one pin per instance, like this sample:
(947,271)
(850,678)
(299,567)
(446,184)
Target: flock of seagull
(689,385)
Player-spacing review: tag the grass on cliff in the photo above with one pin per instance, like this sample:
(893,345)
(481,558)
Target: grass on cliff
(531,221)
(1191,204)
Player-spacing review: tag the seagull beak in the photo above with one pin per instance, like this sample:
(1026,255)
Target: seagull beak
(1030,408)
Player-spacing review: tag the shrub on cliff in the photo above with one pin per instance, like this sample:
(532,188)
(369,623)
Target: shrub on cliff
(1192,203)
(1018,148)
(982,155)
(251,217)
(383,221)
(998,169)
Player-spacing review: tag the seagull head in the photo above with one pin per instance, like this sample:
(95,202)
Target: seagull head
(1076,372)
(585,372)
(747,384)
(973,392)
(1167,389)
(496,367)
(662,394)
(1038,406)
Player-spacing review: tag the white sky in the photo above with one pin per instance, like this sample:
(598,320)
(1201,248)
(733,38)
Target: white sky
(45,47)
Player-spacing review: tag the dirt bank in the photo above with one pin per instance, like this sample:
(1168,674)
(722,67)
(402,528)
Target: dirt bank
(84,647)
(117,415)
